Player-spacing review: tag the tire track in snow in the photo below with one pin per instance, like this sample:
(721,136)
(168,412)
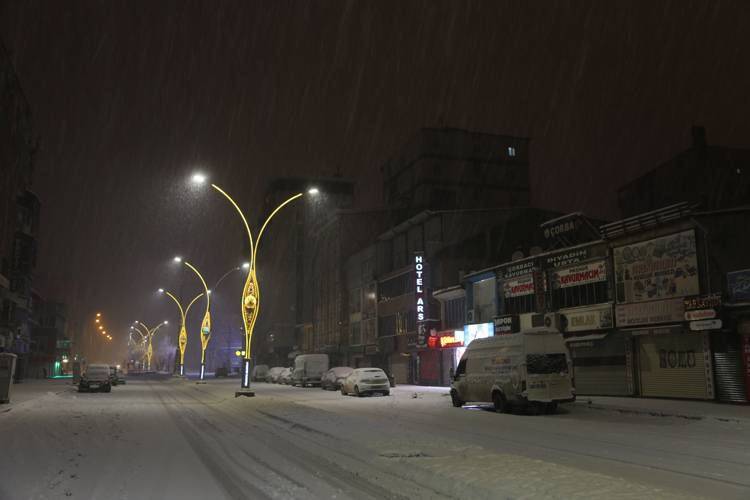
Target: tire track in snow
(320,467)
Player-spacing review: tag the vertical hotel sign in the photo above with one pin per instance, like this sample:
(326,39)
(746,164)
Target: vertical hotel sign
(421,298)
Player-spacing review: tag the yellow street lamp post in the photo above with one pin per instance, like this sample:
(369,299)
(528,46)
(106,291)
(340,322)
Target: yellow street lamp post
(183,330)
(206,324)
(250,304)
(137,346)
(150,332)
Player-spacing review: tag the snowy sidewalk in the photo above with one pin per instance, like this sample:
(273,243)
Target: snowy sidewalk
(31,389)
(693,410)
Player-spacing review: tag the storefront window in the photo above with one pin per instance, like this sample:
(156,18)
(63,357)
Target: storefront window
(484,300)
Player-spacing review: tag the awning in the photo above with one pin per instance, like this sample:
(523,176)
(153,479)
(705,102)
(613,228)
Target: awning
(585,338)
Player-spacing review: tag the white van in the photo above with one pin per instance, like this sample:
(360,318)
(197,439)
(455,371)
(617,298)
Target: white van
(522,369)
(309,369)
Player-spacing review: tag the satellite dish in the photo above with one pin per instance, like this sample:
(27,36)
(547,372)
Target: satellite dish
(535,250)
(517,255)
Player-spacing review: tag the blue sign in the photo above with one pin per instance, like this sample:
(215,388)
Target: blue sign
(738,285)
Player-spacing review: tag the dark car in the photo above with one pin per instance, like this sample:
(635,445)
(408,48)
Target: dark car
(96,378)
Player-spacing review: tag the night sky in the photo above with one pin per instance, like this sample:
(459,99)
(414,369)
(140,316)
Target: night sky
(130,97)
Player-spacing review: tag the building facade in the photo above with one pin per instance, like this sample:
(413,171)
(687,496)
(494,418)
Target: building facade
(19,217)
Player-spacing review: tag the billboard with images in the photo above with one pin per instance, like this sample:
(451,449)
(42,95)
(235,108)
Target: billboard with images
(661,268)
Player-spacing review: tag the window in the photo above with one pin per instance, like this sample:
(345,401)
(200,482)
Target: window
(355,334)
(461,368)
(511,151)
(455,313)
(355,300)
(592,293)
(396,286)
(520,305)
(484,300)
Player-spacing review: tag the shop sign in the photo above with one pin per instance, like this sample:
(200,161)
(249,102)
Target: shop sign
(580,320)
(645,313)
(708,302)
(420,296)
(738,285)
(706,324)
(518,287)
(519,269)
(657,269)
(446,339)
(584,274)
(507,324)
(700,314)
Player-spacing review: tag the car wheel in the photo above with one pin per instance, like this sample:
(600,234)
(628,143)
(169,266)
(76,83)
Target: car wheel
(356,391)
(343,392)
(501,405)
(550,408)
(457,403)
(386,393)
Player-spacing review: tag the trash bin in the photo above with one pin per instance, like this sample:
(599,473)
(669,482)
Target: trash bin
(7,369)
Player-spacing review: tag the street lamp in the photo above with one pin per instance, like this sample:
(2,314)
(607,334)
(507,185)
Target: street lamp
(150,332)
(183,331)
(251,292)
(206,324)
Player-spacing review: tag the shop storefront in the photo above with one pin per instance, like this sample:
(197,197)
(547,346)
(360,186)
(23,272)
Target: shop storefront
(602,358)
(674,362)
(653,279)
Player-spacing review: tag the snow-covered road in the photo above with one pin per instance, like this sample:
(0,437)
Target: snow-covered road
(177,439)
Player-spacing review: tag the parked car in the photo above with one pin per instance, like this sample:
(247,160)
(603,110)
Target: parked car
(273,374)
(285,377)
(528,369)
(309,369)
(115,376)
(334,377)
(259,373)
(366,381)
(95,378)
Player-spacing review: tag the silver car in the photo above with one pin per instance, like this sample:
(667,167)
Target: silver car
(366,381)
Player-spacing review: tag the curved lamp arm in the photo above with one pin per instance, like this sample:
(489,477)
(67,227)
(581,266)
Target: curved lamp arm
(182,312)
(263,228)
(205,287)
(236,207)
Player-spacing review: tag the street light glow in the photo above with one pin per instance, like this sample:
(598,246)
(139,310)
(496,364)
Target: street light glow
(198,178)
(98,314)
(245,265)
(178,259)
(166,322)
(161,290)
(313,191)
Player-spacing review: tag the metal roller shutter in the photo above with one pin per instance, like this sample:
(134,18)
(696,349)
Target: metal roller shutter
(400,369)
(673,366)
(730,383)
(601,367)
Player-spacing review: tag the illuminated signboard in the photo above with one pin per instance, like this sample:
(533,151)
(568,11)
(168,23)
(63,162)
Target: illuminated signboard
(472,332)
(419,295)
